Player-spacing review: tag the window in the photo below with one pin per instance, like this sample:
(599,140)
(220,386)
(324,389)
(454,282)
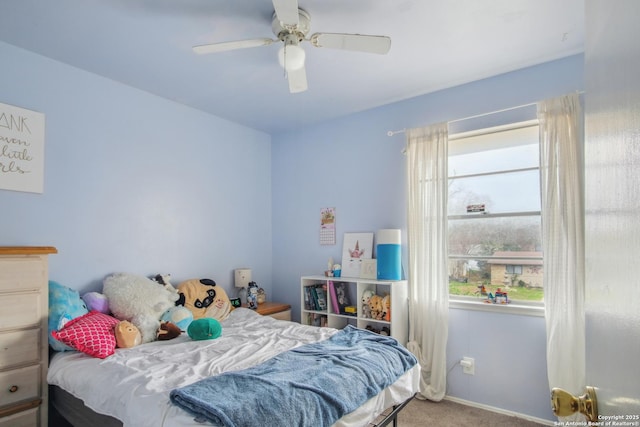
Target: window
(495,235)
(514,269)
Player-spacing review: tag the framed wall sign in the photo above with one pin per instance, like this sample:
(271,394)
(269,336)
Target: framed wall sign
(21,149)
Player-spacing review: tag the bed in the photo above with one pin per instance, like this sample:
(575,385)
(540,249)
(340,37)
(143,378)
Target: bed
(141,386)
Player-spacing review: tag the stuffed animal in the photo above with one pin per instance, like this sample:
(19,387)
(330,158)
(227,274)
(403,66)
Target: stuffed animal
(386,307)
(139,300)
(95,301)
(252,295)
(204,298)
(375,304)
(164,280)
(366,296)
(179,315)
(204,329)
(65,304)
(168,331)
(127,335)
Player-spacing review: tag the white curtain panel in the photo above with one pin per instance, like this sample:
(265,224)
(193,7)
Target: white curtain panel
(427,253)
(562,180)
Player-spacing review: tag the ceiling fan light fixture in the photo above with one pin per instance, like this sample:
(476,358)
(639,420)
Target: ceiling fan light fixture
(291,57)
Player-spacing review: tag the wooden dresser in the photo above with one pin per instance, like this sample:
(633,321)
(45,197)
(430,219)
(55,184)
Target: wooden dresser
(24,346)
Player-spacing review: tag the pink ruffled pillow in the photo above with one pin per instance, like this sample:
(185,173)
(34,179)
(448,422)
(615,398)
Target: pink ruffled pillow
(91,334)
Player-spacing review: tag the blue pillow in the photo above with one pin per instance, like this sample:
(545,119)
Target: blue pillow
(65,304)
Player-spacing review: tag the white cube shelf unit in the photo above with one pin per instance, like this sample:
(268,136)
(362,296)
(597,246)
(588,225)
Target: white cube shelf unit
(327,314)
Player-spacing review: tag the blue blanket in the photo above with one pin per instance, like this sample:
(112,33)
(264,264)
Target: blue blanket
(312,385)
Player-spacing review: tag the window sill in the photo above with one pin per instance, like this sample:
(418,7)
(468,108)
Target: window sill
(517,308)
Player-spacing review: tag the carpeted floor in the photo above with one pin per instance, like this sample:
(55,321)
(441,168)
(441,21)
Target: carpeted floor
(420,413)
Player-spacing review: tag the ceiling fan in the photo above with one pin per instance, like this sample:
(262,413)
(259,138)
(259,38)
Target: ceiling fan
(291,25)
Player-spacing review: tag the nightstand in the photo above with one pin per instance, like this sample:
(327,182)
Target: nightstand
(277,310)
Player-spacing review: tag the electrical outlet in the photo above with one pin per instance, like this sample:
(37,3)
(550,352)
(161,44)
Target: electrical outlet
(468,365)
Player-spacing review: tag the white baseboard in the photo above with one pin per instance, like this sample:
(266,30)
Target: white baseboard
(500,411)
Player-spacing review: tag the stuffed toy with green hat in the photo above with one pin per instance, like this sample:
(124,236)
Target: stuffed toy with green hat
(206,328)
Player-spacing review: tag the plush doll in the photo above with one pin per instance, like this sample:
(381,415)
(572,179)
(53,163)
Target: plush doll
(139,300)
(204,299)
(375,304)
(164,280)
(95,301)
(366,296)
(167,331)
(204,329)
(127,335)
(65,304)
(179,315)
(386,308)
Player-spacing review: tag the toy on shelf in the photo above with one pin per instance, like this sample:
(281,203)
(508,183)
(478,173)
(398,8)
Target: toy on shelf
(482,290)
(377,310)
(499,298)
(366,297)
(386,307)
(252,295)
(384,331)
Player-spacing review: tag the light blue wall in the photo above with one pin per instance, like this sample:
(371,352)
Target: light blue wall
(351,164)
(136,183)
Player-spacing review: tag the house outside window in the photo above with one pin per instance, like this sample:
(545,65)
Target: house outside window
(495,233)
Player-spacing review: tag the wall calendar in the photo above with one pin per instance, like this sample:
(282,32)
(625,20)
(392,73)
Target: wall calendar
(328,226)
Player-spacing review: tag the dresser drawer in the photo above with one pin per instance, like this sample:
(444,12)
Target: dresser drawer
(19,384)
(21,310)
(21,419)
(22,273)
(19,347)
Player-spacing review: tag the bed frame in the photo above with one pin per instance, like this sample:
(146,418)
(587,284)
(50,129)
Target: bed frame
(77,414)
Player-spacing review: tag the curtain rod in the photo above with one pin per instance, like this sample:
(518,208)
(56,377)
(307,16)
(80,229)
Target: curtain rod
(394,132)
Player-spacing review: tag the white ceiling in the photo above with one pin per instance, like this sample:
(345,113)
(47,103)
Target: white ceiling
(435,44)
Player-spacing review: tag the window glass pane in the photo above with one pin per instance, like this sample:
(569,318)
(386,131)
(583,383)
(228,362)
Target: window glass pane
(513,149)
(508,192)
(486,236)
(495,253)
(481,279)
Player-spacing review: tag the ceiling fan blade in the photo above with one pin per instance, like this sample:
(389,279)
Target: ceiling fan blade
(355,42)
(225,46)
(287,12)
(297,80)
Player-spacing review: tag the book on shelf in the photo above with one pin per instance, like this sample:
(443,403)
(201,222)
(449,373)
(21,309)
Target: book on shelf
(334,298)
(315,297)
(342,295)
(307,302)
(321,297)
(315,319)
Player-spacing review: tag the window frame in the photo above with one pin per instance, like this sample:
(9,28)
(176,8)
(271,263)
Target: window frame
(519,307)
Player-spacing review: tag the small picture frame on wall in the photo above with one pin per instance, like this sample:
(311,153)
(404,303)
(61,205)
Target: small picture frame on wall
(369,269)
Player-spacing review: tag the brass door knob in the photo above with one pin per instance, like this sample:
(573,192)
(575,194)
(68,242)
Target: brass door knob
(564,403)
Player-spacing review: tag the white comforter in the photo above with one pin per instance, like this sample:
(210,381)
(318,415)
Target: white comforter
(133,385)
